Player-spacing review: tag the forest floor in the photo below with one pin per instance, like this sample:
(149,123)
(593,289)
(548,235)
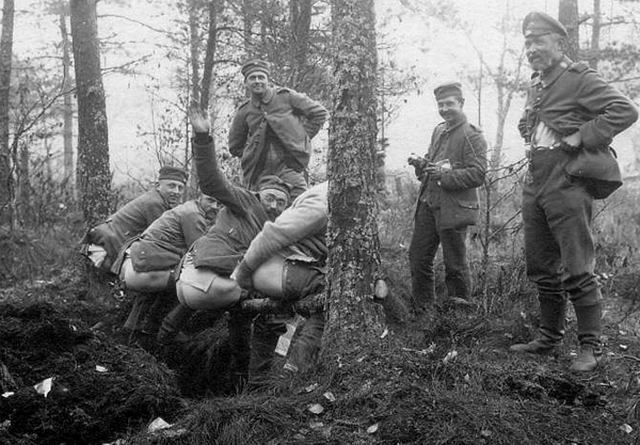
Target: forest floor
(453,382)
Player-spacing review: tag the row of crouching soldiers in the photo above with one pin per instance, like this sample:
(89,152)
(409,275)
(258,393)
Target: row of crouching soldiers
(267,237)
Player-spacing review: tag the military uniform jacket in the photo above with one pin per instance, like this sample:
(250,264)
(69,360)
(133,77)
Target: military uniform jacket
(167,239)
(128,222)
(454,193)
(241,219)
(573,97)
(288,116)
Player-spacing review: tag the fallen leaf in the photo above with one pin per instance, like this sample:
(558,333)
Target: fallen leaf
(623,347)
(158,424)
(315,425)
(451,355)
(101,368)
(44,387)
(384,333)
(312,387)
(7,394)
(329,396)
(373,428)
(316,408)
(626,428)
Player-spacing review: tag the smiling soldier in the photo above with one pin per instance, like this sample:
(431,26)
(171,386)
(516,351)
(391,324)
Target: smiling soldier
(451,171)
(271,131)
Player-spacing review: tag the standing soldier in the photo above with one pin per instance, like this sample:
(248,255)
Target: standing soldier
(271,131)
(448,202)
(570,112)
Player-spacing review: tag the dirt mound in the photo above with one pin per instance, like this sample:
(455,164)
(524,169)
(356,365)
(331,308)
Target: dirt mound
(100,390)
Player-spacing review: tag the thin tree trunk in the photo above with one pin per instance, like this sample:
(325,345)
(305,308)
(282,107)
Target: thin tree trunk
(67,107)
(568,16)
(6,52)
(595,36)
(212,43)
(354,258)
(94,178)
(300,17)
(194,46)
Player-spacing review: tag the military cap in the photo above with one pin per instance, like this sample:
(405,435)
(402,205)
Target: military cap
(274,182)
(255,65)
(173,174)
(448,89)
(538,23)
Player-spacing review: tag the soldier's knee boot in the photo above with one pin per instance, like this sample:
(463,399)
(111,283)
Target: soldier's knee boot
(551,330)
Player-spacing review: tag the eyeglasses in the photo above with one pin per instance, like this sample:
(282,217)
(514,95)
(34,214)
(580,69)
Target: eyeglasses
(270,198)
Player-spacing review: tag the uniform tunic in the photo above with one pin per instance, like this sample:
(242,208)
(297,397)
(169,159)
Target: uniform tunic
(242,217)
(128,222)
(167,239)
(272,136)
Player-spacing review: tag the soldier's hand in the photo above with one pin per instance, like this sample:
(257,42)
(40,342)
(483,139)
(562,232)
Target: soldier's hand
(242,275)
(571,143)
(199,120)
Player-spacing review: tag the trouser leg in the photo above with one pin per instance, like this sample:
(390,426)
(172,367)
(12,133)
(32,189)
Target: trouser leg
(265,334)
(454,253)
(422,251)
(306,345)
(239,325)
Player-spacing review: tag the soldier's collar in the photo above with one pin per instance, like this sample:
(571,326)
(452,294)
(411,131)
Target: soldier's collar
(447,127)
(546,79)
(268,95)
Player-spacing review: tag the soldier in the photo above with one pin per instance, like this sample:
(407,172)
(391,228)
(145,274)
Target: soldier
(271,131)
(452,169)
(570,111)
(103,242)
(146,264)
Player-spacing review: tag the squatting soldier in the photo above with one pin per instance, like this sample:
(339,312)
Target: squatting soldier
(103,242)
(570,112)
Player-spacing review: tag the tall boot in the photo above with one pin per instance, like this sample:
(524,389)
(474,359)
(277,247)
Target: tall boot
(589,332)
(239,324)
(163,303)
(305,347)
(264,339)
(551,330)
(173,323)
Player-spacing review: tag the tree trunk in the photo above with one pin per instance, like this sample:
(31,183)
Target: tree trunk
(194,46)
(568,16)
(6,52)
(212,43)
(94,178)
(354,258)
(300,17)
(67,107)
(247,25)
(595,36)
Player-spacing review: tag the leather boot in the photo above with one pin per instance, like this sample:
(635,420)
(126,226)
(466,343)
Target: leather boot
(163,303)
(551,330)
(589,331)
(264,339)
(173,323)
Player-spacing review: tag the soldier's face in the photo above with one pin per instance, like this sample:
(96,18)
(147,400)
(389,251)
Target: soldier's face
(274,201)
(209,205)
(543,51)
(450,108)
(171,191)
(257,82)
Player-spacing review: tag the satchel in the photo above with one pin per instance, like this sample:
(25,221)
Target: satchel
(597,169)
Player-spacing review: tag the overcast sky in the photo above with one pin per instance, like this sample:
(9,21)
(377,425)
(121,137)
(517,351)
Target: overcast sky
(435,53)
